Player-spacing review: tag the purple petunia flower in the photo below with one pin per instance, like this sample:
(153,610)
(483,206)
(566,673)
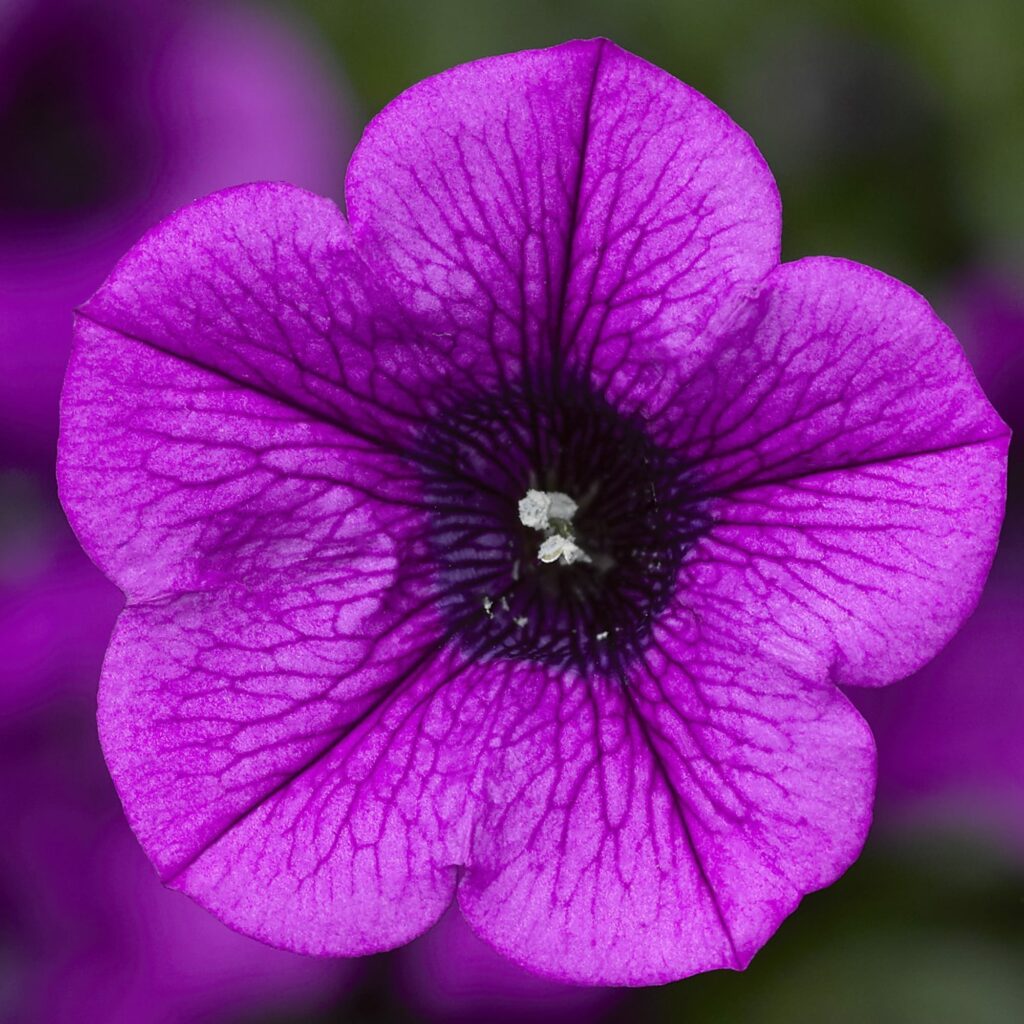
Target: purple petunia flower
(504,542)
(112,114)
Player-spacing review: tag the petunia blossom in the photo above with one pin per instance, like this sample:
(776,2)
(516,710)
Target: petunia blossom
(504,540)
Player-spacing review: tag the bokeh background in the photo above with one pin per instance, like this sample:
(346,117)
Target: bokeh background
(896,131)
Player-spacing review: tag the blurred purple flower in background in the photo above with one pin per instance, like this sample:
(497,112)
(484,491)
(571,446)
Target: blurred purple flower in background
(88,934)
(949,741)
(56,610)
(112,114)
(506,540)
(987,307)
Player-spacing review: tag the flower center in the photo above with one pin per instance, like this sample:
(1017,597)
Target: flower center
(558,524)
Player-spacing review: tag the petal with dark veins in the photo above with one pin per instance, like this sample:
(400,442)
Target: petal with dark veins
(860,575)
(575,200)
(178,478)
(638,831)
(842,366)
(263,285)
(292,761)
(854,474)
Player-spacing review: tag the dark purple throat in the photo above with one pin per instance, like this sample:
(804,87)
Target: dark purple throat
(635,520)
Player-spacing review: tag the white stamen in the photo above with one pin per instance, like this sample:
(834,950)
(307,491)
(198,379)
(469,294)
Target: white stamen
(564,548)
(539,508)
(534,509)
(551,513)
(562,506)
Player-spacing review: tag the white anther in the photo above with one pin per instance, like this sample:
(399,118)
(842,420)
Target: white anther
(561,507)
(564,549)
(533,510)
(551,512)
(539,508)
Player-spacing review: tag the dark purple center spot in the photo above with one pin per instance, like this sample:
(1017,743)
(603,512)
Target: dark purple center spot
(635,519)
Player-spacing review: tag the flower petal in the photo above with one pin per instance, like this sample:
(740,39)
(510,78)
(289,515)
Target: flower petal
(844,365)
(285,762)
(853,471)
(262,285)
(637,831)
(553,201)
(277,615)
(176,478)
